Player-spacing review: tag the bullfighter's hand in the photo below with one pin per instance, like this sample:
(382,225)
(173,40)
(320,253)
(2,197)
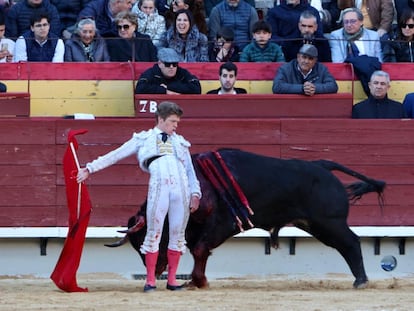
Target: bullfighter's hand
(83,175)
(194,203)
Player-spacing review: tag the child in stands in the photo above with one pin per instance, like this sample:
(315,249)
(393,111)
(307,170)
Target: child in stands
(261,49)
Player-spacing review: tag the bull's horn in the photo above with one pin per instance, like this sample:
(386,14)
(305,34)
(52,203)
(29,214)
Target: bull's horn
(119,242)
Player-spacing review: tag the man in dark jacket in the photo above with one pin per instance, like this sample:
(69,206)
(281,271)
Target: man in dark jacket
(166,77)
(19,15)
(284,19)
(104,12)
(307,34)
(237,14)
(3,88)
(228,77)
(378,105)
(304,75)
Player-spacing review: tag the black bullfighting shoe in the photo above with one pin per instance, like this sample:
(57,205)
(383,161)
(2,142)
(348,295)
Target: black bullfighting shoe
(175,287)
(149,288)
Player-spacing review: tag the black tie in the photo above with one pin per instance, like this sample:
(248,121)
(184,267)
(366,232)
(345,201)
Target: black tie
(164,137)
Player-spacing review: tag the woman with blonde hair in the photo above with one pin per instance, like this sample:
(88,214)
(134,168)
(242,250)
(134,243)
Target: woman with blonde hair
(130,45)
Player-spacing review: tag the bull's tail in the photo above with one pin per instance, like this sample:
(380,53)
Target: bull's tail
(356,189)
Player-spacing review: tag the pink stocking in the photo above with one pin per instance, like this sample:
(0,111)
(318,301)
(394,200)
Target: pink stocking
(151,263)
(173,260)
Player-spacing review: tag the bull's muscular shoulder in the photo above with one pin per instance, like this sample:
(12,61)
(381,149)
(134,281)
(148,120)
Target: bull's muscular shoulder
(182,140)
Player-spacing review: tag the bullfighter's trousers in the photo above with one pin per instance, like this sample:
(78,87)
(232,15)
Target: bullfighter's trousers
(168,192)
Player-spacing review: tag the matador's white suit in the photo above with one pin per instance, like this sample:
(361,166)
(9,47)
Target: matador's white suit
(172,182)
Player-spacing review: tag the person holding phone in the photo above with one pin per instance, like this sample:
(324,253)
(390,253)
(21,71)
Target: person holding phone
(6,45)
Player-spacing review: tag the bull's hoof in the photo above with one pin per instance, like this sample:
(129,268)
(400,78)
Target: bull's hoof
(192,286)
(360,284)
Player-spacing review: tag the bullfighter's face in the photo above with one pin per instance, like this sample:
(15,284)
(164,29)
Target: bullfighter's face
(168,125)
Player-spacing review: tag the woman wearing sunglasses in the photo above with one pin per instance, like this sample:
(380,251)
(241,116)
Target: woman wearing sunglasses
(130,45)
(184,37)
(401,47)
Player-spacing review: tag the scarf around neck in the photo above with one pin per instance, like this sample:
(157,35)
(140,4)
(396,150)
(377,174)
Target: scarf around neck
(355,36)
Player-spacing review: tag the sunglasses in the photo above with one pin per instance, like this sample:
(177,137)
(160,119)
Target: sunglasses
(166,64)
(124,27)
(411,26)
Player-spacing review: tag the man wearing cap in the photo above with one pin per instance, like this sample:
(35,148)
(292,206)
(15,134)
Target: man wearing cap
(166,77)
(304,75)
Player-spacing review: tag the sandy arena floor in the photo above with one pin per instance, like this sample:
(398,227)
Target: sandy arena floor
(113,292)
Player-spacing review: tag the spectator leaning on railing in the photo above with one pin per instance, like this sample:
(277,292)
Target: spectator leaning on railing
(166,77)
(304,75)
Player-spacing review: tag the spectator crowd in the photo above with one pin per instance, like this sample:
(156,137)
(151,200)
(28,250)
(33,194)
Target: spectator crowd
(365,33)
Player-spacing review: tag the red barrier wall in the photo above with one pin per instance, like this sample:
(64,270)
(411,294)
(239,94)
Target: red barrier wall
(32,185)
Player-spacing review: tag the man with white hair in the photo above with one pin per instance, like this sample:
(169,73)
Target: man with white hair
(378,105)
(353,39)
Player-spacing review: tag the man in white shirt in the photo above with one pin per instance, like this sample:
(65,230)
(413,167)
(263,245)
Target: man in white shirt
(39,44)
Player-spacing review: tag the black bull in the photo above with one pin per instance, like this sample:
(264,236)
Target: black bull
(280,192)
